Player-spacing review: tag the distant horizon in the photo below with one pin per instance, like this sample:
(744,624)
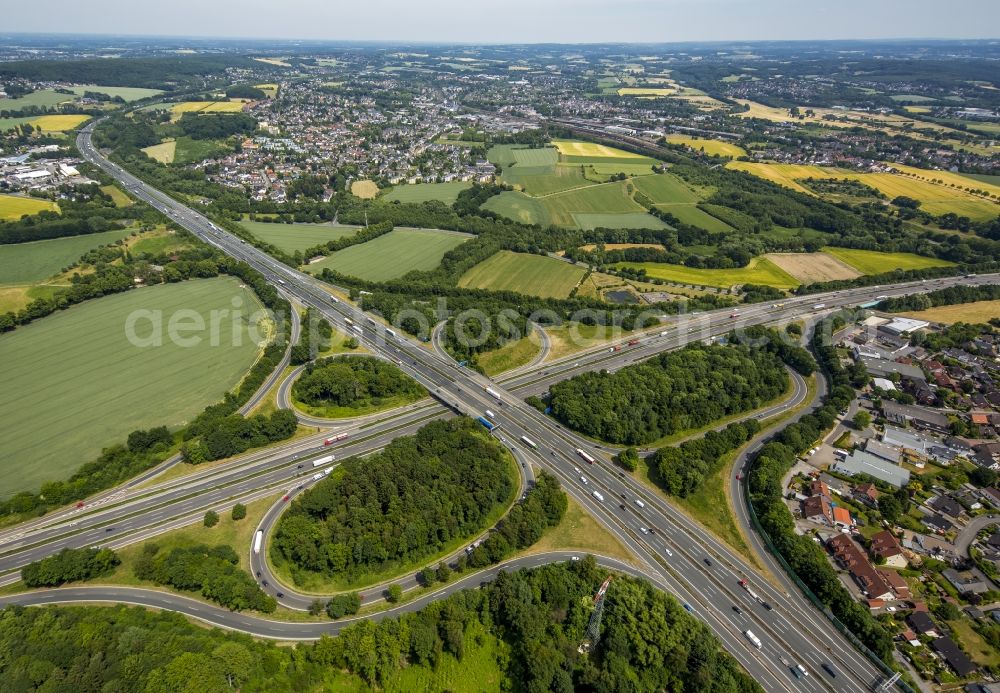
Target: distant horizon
(520,22)
(432,42)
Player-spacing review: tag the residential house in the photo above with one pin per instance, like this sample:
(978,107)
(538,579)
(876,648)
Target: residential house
(884,545)
(901,414)
(867,494)
(954,656)
(850,556)
(817,509)
(965,583)
(937,523)
(923,624)
(946,505)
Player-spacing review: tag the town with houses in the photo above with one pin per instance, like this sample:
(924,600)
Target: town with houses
(904,495)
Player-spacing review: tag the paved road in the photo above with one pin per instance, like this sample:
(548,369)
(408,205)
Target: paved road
(676,551)
(969,532)
(283,630)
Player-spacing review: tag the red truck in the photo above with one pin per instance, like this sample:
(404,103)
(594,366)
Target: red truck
(633,342)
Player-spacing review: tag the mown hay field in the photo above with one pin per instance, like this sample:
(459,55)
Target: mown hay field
(365,189)
(813,267)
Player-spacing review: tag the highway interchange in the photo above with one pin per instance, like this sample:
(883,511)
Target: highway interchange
(678,556)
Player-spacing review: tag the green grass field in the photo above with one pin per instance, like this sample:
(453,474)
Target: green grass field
(503,154)
(519,207)
(628,220)
(759,271)
(666,188)
(127,93)
(116,194)
(15,206)
(11,123)
(545,180)
(82,386)
(392,255)
(606,198)
(24,263)
(445,192)
(292,237)
(874,262)
(690,214)
(600,169)
(43,97)
(545,156)
(188,150)
(162,152)
(534,275)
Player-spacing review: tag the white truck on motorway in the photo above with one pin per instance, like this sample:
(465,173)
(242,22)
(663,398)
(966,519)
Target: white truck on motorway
(819,306)
(323,460)
(258,539)
(598,496)
(753,638)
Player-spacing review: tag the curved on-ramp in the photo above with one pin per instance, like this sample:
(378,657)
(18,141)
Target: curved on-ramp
(262,627)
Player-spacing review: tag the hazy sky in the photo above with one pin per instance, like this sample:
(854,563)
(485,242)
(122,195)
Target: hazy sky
(501,21)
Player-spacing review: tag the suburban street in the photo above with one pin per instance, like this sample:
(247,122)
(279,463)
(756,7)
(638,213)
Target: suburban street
(678,555)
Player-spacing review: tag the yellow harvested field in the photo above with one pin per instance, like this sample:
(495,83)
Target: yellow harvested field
(15,206)
(593,150)
(163,152)
(917,109)
(948,178)
(977,312)
(59,123)
(787,174)
(230,106)
(711,147)
(645,91)
(699,99)
(813,267)
(621,246)
(935,197)
(365,189)
(273,61)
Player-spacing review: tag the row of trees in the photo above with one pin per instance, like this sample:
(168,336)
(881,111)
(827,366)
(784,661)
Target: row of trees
(404,504)
(69,565)
(356,381)
(214,572)
(942,297)
(675,391)
(225,436)
(537,617)
(315,338)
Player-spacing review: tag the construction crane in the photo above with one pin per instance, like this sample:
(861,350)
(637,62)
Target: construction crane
(593,634)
